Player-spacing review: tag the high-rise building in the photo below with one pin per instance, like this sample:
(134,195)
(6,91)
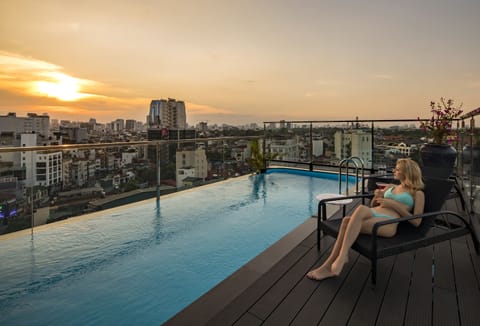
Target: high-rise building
(167,114)
(179,115)
(130,124)
(118,125)
(356,143)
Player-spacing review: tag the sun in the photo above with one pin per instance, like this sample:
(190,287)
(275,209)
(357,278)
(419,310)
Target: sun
(60,86)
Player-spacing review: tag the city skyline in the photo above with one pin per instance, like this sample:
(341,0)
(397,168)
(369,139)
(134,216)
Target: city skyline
(238,63)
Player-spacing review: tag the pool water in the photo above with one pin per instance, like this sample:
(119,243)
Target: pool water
(142,263)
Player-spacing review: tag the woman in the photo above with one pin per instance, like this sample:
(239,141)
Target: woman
(392,202)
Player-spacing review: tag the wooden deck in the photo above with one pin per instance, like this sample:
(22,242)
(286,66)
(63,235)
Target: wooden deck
(436,285)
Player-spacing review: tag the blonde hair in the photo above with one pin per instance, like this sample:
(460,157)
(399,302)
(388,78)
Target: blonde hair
(412,173)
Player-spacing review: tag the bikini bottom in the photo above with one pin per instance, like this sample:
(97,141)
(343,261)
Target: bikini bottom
(378,215)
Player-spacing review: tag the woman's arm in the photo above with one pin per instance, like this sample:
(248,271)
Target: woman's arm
(379,193)
(403,210)
(418,208)
(400,208)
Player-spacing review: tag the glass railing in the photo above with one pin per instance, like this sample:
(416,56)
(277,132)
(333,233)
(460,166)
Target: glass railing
(469,158)
(45,184)
(377,144)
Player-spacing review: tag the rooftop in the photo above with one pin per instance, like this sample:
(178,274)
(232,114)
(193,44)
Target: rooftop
(439,284)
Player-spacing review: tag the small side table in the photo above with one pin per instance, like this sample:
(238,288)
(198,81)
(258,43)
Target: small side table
(339,202)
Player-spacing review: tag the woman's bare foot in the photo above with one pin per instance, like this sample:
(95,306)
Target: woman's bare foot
(338,264)
(320,273)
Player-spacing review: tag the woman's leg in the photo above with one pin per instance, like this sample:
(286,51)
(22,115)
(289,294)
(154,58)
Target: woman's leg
(324,271)
(354,227)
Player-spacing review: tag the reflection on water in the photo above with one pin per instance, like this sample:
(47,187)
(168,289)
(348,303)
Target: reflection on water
(154,257)
(259,187)
(157,223)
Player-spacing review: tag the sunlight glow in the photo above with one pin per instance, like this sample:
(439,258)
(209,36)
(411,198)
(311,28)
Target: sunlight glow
(61,86)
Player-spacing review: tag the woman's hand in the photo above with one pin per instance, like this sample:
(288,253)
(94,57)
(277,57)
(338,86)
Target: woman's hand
(377,194)
(397,206)
(385,202)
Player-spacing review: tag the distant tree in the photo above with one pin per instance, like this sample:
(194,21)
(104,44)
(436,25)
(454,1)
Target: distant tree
(130,185)
(167,171)
(147,175)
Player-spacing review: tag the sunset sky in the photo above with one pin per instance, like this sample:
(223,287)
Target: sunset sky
(238,61)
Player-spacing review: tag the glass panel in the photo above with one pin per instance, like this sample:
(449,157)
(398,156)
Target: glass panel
(52,185)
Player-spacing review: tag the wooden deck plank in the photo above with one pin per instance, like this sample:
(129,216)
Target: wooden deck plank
(370,300)
(445,308)
(444,291)
(265,305)
(269,302)
(474,256)
(344,302)
(473,253)
(321,298)
(284,309)
(247,320)
(392,311)
(287,309)
(404,293)
(468,292)
(233,311)
(419,306)
(444,276)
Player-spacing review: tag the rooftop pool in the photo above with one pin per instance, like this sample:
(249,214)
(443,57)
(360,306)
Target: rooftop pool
(142,263)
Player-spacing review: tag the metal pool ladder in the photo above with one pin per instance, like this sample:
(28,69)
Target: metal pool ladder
(357,163)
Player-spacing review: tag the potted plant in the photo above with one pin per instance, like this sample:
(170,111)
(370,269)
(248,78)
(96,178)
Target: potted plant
(258,158)
(437,155)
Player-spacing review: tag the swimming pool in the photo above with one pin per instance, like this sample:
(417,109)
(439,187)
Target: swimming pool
(142,263)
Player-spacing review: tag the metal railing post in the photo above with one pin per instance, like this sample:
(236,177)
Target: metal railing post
(311,147)
(264,145)
(32,219)
(472,185)
(372,169)
(158,170)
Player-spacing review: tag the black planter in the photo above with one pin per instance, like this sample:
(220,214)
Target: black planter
(438,160)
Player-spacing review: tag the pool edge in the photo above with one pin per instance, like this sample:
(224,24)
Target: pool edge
(211,303)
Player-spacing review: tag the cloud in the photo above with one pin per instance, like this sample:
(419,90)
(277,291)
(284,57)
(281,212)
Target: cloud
(382,76)
(202,112)
(321,82)
(474,84)
(36,78)
(74,27)
(31,85)
(205,109)
(12,62)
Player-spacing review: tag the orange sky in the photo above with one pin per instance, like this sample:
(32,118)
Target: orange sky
(238,62)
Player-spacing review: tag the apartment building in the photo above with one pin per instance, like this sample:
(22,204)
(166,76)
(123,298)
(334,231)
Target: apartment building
(286,149)
(41,168)
(167,114)
(191,163)
(356,143)
(32,123)
(401,148)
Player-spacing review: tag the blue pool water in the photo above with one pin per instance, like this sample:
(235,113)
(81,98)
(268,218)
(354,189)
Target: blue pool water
(142,263)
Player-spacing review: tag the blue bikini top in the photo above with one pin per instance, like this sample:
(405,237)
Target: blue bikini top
(403,197)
